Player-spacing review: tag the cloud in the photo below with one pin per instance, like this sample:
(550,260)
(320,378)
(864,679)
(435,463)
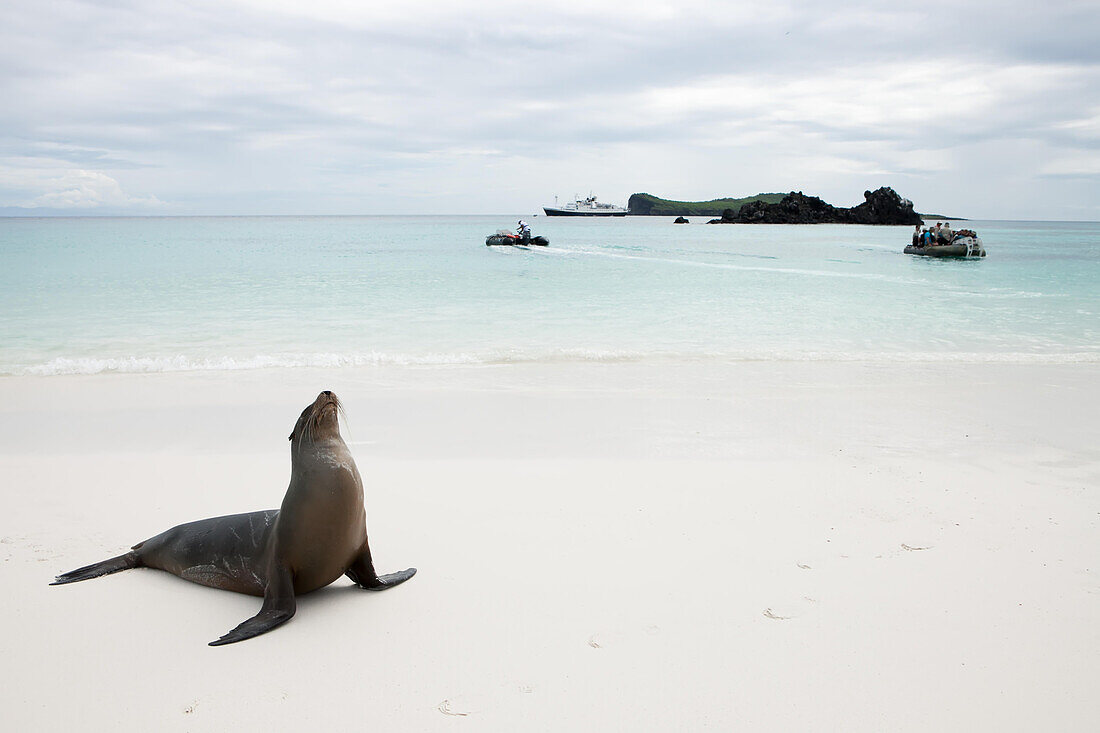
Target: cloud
(1085,129)
(330,104)
(70,189)
(1076,167)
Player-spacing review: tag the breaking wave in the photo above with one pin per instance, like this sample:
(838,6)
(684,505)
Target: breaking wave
(183,363)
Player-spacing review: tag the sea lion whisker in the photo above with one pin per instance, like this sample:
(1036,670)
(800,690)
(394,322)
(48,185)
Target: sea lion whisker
(341,413)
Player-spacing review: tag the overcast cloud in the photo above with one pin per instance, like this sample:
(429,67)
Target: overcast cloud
(249,106)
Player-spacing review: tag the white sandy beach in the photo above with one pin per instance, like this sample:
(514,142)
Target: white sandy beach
(605,547)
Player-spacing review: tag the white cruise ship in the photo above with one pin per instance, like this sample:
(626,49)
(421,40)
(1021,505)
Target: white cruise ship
(584,207)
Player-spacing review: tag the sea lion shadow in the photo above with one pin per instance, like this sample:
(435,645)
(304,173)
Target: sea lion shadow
(321,606)
(327,595)
(335,595)
(330,593)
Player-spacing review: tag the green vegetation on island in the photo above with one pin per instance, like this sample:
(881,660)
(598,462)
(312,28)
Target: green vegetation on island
(644,204)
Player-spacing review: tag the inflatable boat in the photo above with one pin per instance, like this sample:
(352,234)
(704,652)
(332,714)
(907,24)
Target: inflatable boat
(507,238)
(968,245)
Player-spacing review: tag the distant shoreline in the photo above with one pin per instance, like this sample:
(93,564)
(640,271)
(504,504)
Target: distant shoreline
(646,204)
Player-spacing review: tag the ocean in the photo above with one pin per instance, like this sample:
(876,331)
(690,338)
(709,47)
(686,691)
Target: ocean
(94,295)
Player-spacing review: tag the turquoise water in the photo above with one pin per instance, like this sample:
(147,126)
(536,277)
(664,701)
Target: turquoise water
(89,295)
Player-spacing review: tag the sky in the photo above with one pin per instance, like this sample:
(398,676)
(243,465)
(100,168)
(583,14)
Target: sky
(975,109)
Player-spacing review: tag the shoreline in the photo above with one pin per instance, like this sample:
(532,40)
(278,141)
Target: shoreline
(290,362)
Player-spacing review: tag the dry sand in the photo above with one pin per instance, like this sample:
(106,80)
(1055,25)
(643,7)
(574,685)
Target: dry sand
(626,547)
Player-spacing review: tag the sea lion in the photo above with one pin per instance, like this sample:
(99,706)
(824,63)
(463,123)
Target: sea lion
(318,534)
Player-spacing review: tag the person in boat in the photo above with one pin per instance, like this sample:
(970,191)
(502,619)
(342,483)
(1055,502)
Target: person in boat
(916,236)
(946,233)
(926,238)
(524,230)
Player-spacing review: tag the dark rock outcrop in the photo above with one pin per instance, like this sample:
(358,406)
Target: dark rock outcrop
(681,220)
(883,206)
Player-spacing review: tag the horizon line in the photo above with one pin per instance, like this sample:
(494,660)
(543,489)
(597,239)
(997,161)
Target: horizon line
(514,213)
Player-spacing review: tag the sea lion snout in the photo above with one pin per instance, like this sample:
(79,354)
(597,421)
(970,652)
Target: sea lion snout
(327,402)
(319,414)
(324,400)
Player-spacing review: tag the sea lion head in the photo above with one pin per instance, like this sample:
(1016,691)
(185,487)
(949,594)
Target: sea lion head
(320,420)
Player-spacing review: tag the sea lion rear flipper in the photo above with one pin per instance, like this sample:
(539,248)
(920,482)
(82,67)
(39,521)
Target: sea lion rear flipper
(104,567)
(279,606)
(362,572)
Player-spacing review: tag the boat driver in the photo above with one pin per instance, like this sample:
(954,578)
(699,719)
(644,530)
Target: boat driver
(524,230)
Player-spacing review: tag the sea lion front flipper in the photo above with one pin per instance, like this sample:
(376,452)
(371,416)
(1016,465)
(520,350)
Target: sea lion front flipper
(389,580)
(362,572)
(279,606)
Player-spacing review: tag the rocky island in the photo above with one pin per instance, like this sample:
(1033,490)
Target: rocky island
(883,206)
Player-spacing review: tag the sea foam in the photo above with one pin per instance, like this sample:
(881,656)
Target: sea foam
(180,363)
